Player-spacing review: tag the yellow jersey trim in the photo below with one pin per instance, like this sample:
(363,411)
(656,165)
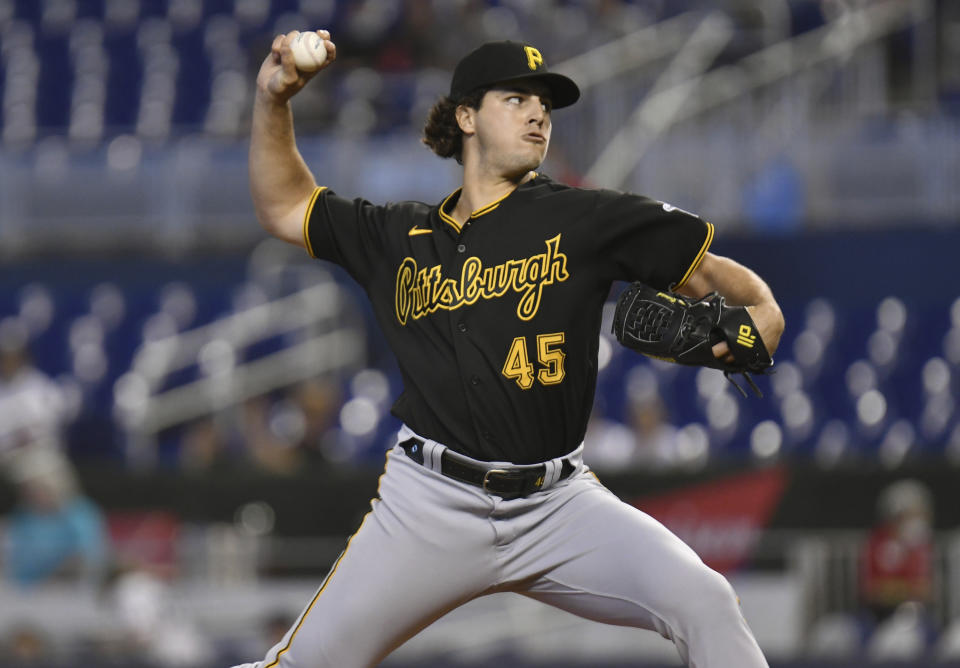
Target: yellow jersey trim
(333,570)
(487,208)
(446,217)
(306,219)
(697,260)
(491,206)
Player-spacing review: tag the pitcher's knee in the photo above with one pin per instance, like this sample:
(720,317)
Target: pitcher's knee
(713,599)
(697,598)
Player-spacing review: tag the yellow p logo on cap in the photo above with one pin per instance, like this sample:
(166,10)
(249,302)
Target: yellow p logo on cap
(534,59)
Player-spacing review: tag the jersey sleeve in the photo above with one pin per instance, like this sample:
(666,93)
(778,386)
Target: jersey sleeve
(650,241)
(344,231)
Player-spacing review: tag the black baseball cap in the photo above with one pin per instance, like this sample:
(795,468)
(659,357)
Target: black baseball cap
(503,62)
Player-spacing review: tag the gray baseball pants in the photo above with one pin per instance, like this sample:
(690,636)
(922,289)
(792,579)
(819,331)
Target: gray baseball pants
(430,544)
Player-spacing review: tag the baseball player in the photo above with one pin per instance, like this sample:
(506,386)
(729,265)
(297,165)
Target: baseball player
(491,300)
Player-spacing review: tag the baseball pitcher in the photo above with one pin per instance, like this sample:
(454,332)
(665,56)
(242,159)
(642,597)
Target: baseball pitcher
(491,300)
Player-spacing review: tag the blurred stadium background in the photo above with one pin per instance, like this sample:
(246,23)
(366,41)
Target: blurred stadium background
(192,418)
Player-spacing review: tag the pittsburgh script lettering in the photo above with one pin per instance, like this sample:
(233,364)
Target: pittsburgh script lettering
(421,292)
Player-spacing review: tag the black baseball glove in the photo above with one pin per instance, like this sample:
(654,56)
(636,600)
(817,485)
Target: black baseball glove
(671,327)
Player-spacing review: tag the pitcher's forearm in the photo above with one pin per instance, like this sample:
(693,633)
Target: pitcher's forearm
(740,286)
(280,181)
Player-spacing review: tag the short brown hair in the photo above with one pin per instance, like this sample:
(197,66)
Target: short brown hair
(441,131)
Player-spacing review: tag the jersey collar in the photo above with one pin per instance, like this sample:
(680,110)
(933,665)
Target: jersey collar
(451,201)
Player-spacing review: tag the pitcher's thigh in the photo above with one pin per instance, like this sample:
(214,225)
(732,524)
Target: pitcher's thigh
(612,563)
(618,565)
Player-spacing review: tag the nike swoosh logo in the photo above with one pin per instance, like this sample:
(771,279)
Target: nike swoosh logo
(414,231)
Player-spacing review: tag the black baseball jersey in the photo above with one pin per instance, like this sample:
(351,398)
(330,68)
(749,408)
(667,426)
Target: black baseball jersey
(495,323)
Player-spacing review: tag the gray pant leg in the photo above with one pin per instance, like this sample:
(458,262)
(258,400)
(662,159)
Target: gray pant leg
(411,561)
(605,560)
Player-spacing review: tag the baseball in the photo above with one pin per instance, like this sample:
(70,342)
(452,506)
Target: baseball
(309,53)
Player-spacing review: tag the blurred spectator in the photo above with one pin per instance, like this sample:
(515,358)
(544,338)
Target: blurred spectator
(896,565)
(32,407)
(648,441)
(656,437)
(319,402)
(152,626)
(903,636)
(202,446)
(237,437)
(54,531)
(270,432)
(273,433)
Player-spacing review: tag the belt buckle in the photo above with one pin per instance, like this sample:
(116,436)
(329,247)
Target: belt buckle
(486,478)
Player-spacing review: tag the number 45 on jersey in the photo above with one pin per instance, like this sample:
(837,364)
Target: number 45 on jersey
(519,368)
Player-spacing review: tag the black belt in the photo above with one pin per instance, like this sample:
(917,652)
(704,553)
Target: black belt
(509,484)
